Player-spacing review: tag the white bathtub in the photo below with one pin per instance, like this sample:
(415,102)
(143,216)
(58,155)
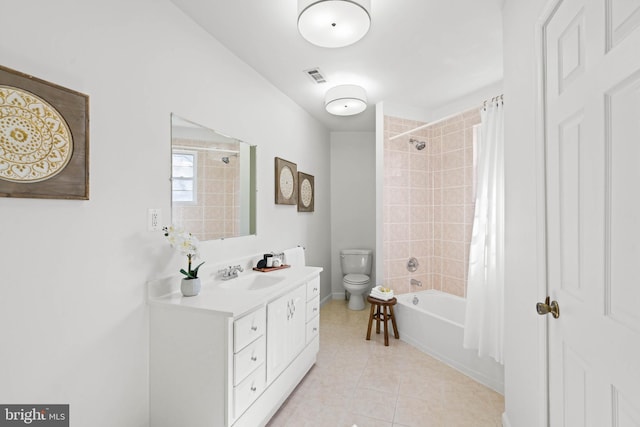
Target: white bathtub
(435,325)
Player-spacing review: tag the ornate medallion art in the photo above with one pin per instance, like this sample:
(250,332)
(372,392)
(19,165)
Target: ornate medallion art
(35,141)
(305,193)
(286,182)
(305,190)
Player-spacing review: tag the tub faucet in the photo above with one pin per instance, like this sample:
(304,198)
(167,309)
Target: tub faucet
(230,272)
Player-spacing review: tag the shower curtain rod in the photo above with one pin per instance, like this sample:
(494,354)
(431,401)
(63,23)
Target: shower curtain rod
(220,150)
(494,99)
(409,132)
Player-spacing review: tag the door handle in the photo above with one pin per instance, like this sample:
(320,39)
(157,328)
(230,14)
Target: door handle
(547,307)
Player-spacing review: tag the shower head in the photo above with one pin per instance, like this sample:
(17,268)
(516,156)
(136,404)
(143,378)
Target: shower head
(225,160)
(419,144)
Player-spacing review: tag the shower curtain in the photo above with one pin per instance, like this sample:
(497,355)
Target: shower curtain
(484,321)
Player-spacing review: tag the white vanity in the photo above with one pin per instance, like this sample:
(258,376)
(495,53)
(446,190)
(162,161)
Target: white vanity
(231,355)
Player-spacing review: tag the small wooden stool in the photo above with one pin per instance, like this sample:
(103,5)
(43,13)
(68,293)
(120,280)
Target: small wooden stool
(385,314)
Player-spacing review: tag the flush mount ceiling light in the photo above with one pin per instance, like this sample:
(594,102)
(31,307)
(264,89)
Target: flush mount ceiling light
(345,100)
(333,23)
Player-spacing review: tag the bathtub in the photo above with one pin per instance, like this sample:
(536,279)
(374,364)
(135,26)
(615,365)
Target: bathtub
(436,326)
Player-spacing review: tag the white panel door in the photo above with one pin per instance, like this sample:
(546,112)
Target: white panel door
(286,327)
(592,134)
(277,323)
(298,321)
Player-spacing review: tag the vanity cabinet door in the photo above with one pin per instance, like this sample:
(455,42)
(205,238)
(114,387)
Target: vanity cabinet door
(313,288)
(313,308)
(297,324)
(286,328)
(248,360)
(277,320)
(313,328)
(248,328)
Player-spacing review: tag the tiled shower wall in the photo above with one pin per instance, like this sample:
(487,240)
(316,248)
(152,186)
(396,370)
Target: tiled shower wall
(215,214)
(429,203)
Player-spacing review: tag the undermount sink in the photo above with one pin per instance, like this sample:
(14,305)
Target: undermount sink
(253,282)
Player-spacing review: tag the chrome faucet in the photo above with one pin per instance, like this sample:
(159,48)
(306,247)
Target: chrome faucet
(230,272)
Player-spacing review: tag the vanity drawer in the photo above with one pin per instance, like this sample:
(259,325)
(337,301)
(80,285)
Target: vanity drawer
(248,359)
(313,308)
(313,288)
(245,393)
(247,328)
(313,327)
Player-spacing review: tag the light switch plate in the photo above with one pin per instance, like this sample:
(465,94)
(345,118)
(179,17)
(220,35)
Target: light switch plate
(153,220)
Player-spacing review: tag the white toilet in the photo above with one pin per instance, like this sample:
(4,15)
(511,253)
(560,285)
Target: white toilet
(356,267)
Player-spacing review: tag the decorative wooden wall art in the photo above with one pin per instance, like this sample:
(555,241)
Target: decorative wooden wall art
(44,139)
(286,182)
(306,192)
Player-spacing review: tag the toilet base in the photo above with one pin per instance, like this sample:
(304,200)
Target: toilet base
(356,302)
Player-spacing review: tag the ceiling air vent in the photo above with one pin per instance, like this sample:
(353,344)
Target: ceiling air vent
(315,75)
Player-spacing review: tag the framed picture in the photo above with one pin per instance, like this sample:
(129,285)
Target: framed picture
(286,182)
(306,192)
(44,139)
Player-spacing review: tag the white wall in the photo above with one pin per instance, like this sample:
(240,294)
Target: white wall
(353,199)
(444,111)
(524,360)
(73,318)
(467,102)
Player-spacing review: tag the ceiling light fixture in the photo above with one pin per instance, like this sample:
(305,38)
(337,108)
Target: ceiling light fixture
(333,23)
(345,100)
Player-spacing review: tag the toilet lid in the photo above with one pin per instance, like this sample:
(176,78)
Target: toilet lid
(356,279)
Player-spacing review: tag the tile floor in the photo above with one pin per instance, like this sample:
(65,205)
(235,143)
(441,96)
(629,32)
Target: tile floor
(362,382)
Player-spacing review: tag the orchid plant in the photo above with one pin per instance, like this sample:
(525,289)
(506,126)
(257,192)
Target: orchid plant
(185,243)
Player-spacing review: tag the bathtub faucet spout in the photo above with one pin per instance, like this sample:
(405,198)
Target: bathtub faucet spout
(415,282)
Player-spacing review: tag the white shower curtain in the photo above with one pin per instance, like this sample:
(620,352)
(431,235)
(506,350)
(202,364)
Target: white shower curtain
(484,321)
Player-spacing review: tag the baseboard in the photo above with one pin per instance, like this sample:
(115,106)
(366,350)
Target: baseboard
(338,295)
(505,420)
(324,300)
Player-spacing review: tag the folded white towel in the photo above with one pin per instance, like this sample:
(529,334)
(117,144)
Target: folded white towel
(382,291)
(382,295)
(382,298)
(294,256)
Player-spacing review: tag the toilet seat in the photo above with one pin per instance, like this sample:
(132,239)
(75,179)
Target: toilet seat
(356,279)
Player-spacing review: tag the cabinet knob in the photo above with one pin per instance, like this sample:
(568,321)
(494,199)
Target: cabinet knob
(315,329)
(253,388)
(254,358)
(315,308)
(254,328)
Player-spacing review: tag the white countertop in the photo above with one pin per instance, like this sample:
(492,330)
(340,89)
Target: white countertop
(220,295)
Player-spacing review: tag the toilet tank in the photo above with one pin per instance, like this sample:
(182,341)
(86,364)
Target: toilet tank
(356,261)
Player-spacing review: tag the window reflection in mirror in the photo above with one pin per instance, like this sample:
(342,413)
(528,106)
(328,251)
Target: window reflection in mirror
(213,190)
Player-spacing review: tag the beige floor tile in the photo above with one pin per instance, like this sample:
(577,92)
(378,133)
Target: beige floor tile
(365,383)
(362,421)
(417,412)
(374,404)
(422,387)
(383,379)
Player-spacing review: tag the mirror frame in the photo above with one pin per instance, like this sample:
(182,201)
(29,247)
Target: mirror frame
(246,217)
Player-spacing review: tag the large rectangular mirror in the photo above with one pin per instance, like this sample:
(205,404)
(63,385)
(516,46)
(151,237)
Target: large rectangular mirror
(213,182)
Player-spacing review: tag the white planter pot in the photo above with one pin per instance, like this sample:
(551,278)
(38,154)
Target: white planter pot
(190,287)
